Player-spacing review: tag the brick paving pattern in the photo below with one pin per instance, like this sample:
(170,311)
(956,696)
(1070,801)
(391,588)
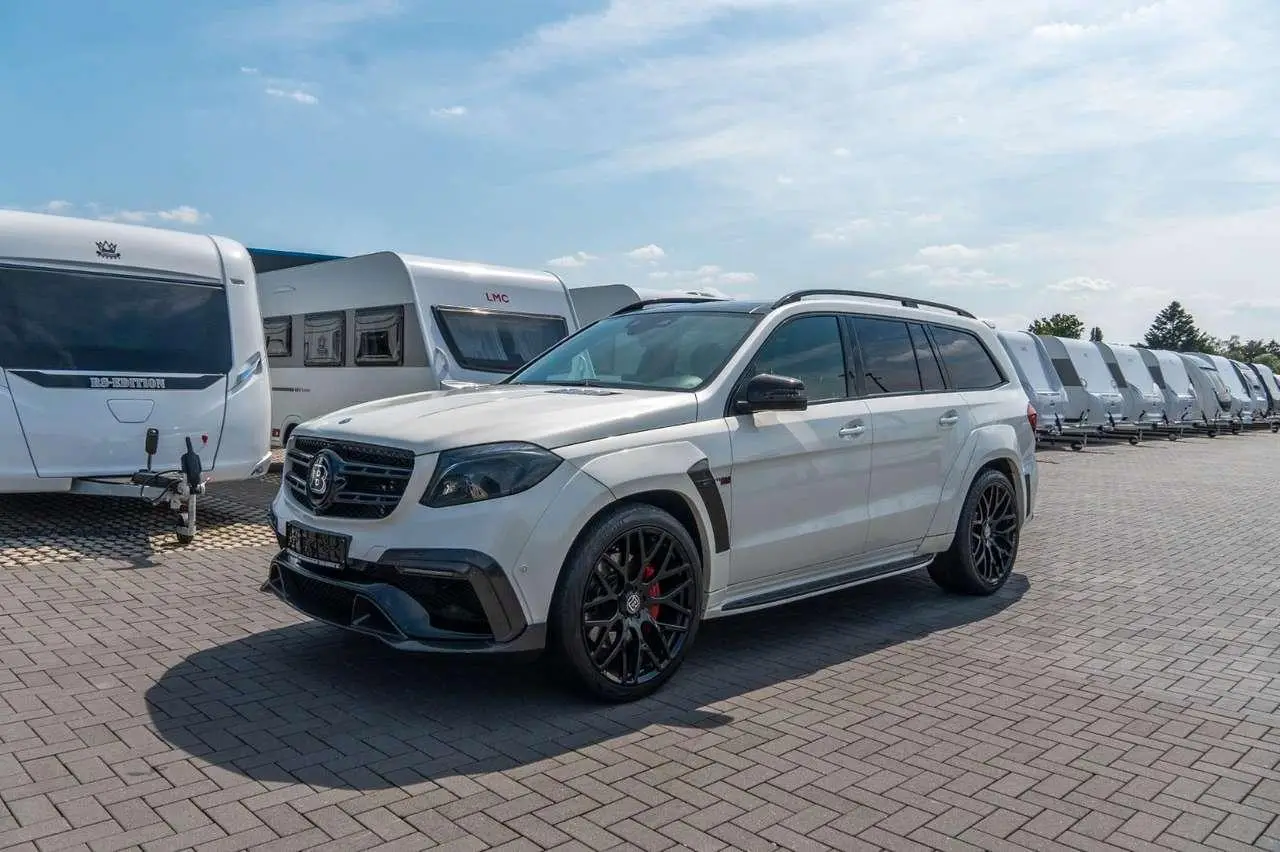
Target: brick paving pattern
(1121,693)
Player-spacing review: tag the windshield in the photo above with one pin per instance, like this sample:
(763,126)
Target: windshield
(82,321)
(662,350)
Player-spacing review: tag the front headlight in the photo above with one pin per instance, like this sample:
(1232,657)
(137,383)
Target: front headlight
(473,474)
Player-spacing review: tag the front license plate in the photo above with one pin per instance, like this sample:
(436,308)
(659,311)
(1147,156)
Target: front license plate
(324,548)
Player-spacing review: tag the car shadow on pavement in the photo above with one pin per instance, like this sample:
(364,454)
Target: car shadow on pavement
(309,703)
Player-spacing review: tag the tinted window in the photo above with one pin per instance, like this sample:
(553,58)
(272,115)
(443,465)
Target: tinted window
(495,342)
(808,349)
(111,323)
(930,372)
(380,337)
(279,334)
(323,339)
(888,356)
(1067,372)
(655,350)
(968,362)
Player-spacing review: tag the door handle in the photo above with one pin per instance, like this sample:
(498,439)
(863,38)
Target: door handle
(949,419)
(851,430)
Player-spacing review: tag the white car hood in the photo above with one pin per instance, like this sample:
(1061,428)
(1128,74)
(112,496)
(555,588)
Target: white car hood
(546,415)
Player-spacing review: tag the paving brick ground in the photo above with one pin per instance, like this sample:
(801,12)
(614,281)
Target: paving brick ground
(1123,692)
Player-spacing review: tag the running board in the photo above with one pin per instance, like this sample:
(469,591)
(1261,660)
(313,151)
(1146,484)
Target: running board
(822,585)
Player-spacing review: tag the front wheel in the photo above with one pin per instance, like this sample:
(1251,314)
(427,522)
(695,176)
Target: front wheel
(628,604)
(985,547)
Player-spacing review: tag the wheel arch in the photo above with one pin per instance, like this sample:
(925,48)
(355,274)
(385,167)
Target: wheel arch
(987,455)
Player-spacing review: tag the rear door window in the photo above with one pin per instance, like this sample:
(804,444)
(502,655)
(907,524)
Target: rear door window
(81,321)
(888,356)
(497,342)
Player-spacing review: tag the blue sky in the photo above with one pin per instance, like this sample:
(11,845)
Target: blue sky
(1014,157)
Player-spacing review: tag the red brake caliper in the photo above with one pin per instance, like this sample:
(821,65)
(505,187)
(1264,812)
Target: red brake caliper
(653,591)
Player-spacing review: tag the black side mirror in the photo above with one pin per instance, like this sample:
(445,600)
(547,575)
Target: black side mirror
(767,392)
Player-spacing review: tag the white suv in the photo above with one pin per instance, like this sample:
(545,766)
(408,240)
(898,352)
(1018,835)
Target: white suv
(680,460)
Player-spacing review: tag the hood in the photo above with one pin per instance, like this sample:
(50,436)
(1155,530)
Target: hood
(546,415)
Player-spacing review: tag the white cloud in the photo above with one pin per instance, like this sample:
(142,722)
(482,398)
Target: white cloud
(1125,141)
(571,261)
(845,232)
(704,277)
(292,94)
(304,22)
(449,112)
(182,215)
(650,253)
(246,69)
(1082,284)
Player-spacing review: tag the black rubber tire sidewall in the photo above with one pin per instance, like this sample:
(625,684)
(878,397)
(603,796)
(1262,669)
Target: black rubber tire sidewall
(954,571)
(564,635)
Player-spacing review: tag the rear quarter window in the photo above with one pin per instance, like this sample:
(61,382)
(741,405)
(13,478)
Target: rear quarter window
(966,359)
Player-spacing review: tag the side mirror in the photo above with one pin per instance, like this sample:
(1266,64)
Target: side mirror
(767,392)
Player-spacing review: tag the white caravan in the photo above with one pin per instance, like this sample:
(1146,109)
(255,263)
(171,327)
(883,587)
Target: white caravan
(1091,389)
(1241,394)
(597,301)
(1144,402)
(344,332)
(1170,373)
(1270,384)
(1039,379)
(1251,382)
(1214,401)
(130,362)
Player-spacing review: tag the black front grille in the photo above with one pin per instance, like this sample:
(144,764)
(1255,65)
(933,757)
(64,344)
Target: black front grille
(374,478)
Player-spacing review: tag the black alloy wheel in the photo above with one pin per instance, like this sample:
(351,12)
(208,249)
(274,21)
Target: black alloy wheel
(985,547)
(629,603)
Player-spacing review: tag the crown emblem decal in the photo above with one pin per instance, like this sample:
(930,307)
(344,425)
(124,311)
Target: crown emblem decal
(108,250)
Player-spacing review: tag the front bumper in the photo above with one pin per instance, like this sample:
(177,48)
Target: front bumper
(428,600)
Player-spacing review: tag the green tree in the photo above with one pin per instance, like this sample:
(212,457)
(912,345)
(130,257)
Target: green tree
(1247,351)
(1095,334)
(1270,359)
(1058,325)
(1175,329)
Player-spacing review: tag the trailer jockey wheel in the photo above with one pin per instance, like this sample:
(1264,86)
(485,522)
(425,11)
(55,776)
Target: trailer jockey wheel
(1275,427)
(1077,446)
(1235,428)
(1133,442)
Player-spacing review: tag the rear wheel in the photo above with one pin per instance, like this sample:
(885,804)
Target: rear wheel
(628,604)
(985,547)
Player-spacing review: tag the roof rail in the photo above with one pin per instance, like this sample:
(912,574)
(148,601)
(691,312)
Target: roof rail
(676,300)
(905,301)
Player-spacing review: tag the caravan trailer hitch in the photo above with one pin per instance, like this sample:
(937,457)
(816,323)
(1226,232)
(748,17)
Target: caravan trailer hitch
(182,488)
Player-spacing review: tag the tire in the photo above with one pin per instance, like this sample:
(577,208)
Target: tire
(964,569)
(656,608)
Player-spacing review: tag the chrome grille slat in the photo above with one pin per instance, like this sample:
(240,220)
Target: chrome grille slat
(376,476)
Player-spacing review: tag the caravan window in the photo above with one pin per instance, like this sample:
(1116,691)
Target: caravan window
(494,342)
(279,334)
(55,320)
(323,337)
(380,337)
